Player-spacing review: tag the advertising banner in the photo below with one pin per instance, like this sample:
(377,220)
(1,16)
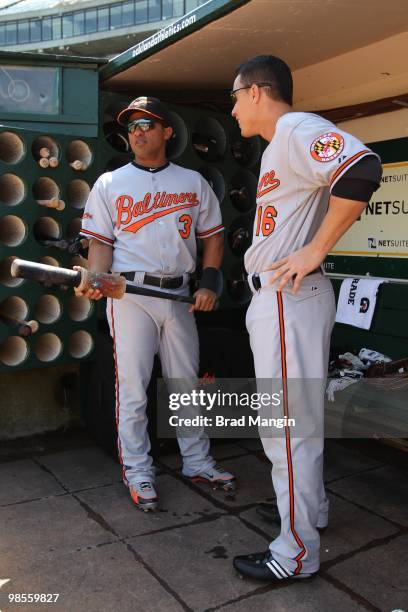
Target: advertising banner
(382,229)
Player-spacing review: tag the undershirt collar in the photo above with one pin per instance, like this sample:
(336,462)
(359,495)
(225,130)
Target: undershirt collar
(151,170)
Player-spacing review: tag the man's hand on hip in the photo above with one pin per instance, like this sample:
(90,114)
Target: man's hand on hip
(295,267)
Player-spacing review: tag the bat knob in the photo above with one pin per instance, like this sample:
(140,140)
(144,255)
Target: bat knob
(14,269)
(34,326)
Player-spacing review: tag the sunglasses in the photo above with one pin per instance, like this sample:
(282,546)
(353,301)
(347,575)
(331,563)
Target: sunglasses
(234,91)
(144,125)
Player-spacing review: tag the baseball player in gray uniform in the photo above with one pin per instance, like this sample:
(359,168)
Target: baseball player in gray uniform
(144,220)
(315,181)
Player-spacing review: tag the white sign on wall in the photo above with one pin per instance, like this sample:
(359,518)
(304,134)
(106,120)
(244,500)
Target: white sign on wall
(382,229)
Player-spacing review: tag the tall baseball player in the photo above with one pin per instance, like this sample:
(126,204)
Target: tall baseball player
(143,220)
(315,181)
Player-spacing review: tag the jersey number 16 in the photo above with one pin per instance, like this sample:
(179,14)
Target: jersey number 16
(265,221)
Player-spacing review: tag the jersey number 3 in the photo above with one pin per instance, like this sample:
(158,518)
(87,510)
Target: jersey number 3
(187,220)
(265,221)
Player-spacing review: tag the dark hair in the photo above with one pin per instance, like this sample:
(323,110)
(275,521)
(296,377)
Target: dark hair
(268,69)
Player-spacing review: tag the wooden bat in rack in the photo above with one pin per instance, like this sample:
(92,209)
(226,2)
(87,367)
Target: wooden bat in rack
(22,327)
(73,245)
(52,203)
(110,285)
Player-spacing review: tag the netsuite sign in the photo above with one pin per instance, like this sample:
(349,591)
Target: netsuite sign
(382,228)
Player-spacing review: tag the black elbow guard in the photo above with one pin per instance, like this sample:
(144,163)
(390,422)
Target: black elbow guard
(360,181)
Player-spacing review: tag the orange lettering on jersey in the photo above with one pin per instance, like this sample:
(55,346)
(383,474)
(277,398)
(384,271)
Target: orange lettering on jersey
(145,206)
(162,199)
(192,198)
(265,220)
(137,209)
(187,221)
(134,227)
(171,199)
(267,183)
(127,209)
(124,206)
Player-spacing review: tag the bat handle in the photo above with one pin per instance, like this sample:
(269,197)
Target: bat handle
(187,299)
(166,295)
(110,285)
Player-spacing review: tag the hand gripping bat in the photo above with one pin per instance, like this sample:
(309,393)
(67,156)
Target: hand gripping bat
(110,285)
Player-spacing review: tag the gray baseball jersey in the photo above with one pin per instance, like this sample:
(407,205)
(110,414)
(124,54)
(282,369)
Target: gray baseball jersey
(290,334)
(302,163)
(152,217)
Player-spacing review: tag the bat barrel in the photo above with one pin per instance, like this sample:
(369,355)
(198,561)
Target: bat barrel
(50,275)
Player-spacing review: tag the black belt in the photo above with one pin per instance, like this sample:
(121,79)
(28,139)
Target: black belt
(256,281)
(164,282)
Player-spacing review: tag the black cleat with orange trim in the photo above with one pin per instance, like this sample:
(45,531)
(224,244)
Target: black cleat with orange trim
(262,566)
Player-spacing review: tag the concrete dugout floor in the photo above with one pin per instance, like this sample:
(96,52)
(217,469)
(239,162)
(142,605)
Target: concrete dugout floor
(68,527)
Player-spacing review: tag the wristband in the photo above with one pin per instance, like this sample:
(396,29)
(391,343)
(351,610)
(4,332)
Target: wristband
(211,279)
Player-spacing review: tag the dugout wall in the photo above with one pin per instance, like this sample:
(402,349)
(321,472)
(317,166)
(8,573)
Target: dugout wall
(48,163)
(357,79)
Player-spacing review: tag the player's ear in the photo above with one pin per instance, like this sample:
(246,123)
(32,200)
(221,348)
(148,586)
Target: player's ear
(168,132)
(255,93)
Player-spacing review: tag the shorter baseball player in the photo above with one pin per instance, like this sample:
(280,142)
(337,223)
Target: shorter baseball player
(143,220)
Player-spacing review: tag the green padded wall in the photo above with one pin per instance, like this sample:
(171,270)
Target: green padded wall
(48,152)
(66,325)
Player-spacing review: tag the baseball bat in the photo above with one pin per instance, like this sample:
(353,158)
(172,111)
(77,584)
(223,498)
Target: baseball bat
(77,164)
(110,285)
(54,163)
(44,152)
(52,203)
(240,197)
(24,328)
(74,245)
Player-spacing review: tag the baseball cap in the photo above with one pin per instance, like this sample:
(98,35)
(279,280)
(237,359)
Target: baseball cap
(151,107)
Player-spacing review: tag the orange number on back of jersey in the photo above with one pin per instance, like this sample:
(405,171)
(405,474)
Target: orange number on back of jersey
(265,220)
(187,220)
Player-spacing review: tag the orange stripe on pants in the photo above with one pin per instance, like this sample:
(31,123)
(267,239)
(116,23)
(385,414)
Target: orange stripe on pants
(287,434)
(117,408)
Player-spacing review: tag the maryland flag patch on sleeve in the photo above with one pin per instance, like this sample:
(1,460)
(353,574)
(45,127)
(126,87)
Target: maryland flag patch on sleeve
(327,147)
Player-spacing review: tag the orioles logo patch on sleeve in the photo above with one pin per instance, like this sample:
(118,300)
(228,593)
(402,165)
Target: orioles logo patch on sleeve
(326,147)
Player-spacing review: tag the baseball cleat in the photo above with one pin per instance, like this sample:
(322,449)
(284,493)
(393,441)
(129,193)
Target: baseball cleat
(217,478)
(144,496)
(368,357)
(262,566)
(270,513)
